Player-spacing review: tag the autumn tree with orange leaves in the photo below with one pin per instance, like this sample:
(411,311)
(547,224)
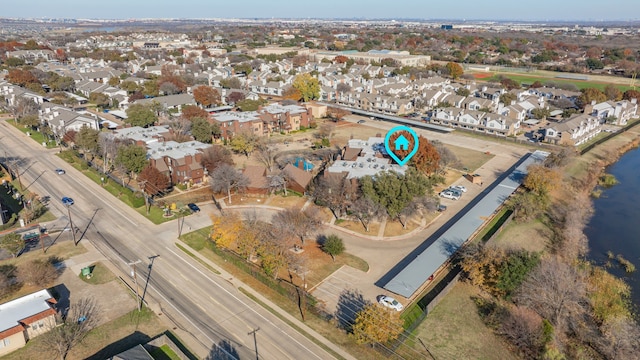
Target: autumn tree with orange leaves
(206,96)
(426,160)
(226,230)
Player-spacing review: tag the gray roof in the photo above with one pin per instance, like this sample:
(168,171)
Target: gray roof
(410,278)
(169,100)
(15,310)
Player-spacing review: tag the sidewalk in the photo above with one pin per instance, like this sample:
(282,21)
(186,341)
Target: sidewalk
(237,283)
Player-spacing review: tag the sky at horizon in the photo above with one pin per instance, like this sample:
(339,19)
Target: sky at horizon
(540,10)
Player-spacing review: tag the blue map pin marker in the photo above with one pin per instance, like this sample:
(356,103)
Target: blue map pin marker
(401,143)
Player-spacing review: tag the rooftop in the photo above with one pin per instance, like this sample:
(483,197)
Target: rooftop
(16,310)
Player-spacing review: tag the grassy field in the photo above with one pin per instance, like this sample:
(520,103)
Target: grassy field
(454,330)
(580,84)
(469,159)
(100,274)
(530,236)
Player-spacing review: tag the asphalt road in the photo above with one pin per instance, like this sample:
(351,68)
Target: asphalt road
(208,307)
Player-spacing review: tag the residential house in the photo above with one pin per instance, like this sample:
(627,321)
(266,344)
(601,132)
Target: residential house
(24,318)
(231,123)
(297,179)
(31,56)
(285,118)
(573,131)
(622,110)
(180,162)
(62,119)
(143,136)
(258,180)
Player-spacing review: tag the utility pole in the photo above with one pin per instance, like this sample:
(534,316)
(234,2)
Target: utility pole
(255,341)
(132,265)
(73,230)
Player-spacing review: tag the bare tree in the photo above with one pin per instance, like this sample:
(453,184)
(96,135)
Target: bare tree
(367,210)
(109,148)
(621,339)
(226,178)
(523,327)
(24,107)
(343,88)
(267,153)
(325,130)
(447,157)
(215,156)
(38,272)
(336,193)
(82,317)
(555,290)
(296,223)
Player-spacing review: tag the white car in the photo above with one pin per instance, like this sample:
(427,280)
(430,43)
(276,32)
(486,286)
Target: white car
(391,303)
(448,194)
(459,188)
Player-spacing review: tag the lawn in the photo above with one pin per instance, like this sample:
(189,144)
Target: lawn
(469,159)
(454,330)
(530,236)
(100,274)
(357,226)
(164,352)
(580,84)
(35,135)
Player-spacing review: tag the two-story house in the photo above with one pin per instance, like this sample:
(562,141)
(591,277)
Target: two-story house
(573,131)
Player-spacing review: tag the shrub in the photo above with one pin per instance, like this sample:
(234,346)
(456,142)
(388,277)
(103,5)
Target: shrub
(136,199)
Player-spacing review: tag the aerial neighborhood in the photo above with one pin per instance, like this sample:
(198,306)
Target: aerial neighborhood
(335,189)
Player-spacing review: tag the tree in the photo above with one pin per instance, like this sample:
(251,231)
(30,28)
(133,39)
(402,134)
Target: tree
(140,115)
(507,98)
(462,91)
(325,130)
(231,83)
(201,130)
(554,289)
(24,107)
(215,156)
(168,88)
(541,180)
(244,142)
(108,148)
(343,88)
(21,77)
(267,153)
(101,100)
(235,96)
(87,140)
(206,96)
(590,94)
(333,245)
(336,114)
(631,94)
(133,158)
(40,273)
(594,63)
(613,92)
(296,223)
(393,191)
(609,296)
(510,84)
(12,243)
(225,230)
(225,178)
(340,59)
(154,182)
(375,324)
(82,317)
(63,83)
(13,62)
(249,105)
(524,328)
(291,93)
(191,112)
(366,210)
(336,193)
(454,70)
(308,86)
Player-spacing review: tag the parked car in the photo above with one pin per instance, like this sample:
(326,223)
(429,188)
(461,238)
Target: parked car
(448,194)
(391,303)
(361,121)
(60,171)
(442,208)
(67,201)
(193,207)
(459,188)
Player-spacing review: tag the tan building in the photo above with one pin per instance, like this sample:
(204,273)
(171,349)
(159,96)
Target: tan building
(24,318)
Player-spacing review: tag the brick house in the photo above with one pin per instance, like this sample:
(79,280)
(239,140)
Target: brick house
(180,162)
(24,318)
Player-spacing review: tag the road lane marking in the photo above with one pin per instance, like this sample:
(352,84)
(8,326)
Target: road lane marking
(243,303)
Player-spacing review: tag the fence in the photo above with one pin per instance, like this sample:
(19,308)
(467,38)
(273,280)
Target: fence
(611,135)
